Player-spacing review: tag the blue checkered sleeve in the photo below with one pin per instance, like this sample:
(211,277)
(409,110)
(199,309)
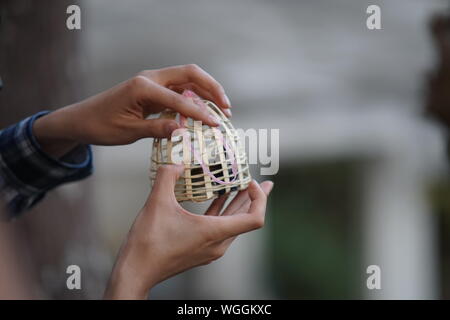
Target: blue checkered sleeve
(27,173)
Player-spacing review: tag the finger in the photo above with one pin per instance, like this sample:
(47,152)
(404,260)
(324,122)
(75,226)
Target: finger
(236,203)
(192,95)
(233,225)
(166,178)
(266,186)
(241,201)
(193,87)
(151,93)
(204,94)
(156,128)
(216,206)
(258,199)
(178,75)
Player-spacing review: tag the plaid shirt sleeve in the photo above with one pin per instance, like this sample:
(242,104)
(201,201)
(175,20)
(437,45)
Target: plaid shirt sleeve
(27,172)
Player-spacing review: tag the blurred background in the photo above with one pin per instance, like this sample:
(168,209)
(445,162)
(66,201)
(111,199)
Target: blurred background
(363,176)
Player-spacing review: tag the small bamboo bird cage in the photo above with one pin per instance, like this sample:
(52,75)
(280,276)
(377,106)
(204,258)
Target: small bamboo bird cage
(215,162)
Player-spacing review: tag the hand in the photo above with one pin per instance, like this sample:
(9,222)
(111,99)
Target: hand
(165,239)
(118,115)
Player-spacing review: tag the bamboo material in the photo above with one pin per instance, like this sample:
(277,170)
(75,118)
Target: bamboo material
(214,159)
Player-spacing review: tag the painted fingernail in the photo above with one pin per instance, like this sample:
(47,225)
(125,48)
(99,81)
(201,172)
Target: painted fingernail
(227,100)
(227,112)
(188,93)
(214,120)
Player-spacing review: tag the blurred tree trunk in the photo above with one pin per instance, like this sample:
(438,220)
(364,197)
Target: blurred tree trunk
(40,69)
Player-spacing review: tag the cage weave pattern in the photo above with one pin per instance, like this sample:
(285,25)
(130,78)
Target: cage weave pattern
(212,167)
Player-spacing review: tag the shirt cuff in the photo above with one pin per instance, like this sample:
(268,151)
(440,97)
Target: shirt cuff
(29,172)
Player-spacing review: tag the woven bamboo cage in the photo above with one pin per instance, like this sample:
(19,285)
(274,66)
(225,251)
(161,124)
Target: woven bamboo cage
(214,159)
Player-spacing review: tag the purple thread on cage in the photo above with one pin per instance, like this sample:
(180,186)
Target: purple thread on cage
(187,139)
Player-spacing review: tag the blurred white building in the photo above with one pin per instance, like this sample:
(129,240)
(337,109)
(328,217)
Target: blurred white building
(310,69)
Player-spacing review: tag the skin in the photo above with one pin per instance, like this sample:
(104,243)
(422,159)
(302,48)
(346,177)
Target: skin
(14,283)
(165,239)
(118,116)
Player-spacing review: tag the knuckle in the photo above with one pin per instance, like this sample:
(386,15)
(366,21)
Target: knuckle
(151,74)
(192,67)
(143,73)
(178,101)
(138,81)
(136,84)
(209,81)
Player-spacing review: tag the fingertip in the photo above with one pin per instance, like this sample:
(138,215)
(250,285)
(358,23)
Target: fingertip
(189,94)
(267,186)
(227,112)
(200,112)
(227,100)
(170,127)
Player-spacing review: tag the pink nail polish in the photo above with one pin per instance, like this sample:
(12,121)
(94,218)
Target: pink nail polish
(189,94)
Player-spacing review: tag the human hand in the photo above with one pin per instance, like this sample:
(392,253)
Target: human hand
(165,239)
(118,116)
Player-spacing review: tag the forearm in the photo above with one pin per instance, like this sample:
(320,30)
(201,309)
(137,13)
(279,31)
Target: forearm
(27,171)
(51,133)
(13,279)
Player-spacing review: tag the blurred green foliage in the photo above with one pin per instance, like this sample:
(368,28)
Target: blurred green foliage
(440,201)
(315,229)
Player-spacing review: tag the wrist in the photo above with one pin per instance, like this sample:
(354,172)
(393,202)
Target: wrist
(130,278)
(51,132)
(124,286)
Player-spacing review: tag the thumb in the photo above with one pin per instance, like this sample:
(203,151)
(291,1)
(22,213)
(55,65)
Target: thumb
(166,178)
(156,128)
